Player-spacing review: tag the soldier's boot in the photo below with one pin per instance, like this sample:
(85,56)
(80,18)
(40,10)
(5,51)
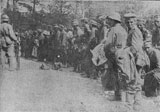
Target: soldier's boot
(117,94)
(11,63)
(123,96)
(138,101)
(158,90)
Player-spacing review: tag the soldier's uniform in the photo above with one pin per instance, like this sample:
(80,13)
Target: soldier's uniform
(152,79)
(135,43)
(156,33)
(93,39)
(87,30)
(135,40)
(116,39)
(77,36)
(156,37)
(8,37)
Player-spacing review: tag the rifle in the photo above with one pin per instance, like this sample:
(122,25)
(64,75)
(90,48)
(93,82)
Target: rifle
(17,50)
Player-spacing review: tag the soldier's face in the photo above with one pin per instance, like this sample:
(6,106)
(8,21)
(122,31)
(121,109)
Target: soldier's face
(140,26)
(131,23)
(110,22)
(157,23)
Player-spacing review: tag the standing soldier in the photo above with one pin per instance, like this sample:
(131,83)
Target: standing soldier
(156,32)
(135,43)
(116,39)
(77,35)
(135,38)
(93,40)
(87,30)
(146,33)
(104,28)
(18,51)
(9,38)
(64,44)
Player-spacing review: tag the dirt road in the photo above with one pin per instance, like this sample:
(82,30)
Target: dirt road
(34,90)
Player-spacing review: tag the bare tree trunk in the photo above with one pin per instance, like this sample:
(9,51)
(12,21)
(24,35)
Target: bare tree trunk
(34,6)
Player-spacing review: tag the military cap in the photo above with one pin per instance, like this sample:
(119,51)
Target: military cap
(84,20)
(93,22)
(5,17)
(39,30)
(141,21)
(46,32)
(147,44)
(75,22)
(103,17)
(115,16)
(56,26)
(130,15)
(61,26)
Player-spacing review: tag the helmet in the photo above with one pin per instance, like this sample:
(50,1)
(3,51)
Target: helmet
(141,21)
(5,17)
(115,16)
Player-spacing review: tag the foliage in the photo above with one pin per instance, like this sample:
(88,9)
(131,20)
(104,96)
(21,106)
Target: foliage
(63,11)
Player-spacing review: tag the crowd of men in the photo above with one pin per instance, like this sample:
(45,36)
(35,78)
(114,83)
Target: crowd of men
(131,53)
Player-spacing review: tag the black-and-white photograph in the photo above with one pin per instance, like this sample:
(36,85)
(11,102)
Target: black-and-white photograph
(79,56)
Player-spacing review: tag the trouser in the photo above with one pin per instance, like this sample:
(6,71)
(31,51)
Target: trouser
(151,85)
(8,52)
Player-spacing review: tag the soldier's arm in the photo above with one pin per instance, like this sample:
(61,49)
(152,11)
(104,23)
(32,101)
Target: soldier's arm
(12,34)
(157,55)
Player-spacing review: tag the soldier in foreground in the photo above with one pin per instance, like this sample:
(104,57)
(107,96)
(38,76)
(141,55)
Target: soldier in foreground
(8,38)
(116,39)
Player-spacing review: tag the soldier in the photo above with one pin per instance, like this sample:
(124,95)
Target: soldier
(77,35)
(135,43)
(87,30)
(18,50)
(135,39)
(9,38)
(64,44)
(77,32)
(116,39)
(104,28)
(146,33)
(156,32)
(151,82)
